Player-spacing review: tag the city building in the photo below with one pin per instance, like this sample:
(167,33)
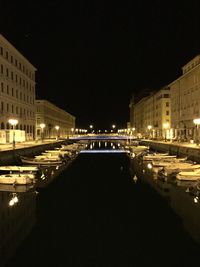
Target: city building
(185,101)
(17,92)
(51,121)
(151,115)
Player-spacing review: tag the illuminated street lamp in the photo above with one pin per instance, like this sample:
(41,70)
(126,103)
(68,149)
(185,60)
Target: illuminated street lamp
(166,127)
(149,127)
(91,127)
(13,122)
(57,129)
(42,126)
(197,123)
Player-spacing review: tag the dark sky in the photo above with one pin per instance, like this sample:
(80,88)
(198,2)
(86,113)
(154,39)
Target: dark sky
(92,55)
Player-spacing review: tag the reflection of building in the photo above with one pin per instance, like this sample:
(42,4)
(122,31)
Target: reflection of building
(16,223)
(52,116)
(151,115)
(17,89)
(185,99)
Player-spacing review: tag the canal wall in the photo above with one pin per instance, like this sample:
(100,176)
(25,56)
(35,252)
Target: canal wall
(13,156)
(192,153)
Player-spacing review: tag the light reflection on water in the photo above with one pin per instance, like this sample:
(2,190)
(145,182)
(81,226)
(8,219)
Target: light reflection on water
(18,211)
(178,194)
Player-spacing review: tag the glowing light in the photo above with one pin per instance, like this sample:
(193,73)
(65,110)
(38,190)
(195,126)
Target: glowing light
(57,127)
(166,125)
(196,199)
(103,151)
(113,126)
(13,122)
(149,127)
(11,202)
(149,166)
(196,121)
(42,125)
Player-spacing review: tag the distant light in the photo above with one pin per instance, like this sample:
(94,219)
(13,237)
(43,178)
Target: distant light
(42,125)
(57,127)
(196,199)
(196,121)
(13,122)
(149,166)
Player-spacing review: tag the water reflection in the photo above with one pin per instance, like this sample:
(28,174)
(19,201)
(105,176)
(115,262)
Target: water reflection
(18,216)
(182,196)
(104,145)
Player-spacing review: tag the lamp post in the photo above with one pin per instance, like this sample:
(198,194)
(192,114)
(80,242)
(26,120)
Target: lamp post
(42,126)
(91,127)
(166,127)
(13,122)
(113,127)
(149,127)
(197,123)
(57,129)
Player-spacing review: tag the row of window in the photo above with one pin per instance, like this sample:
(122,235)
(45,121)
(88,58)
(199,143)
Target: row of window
(16,63)
(6,107)
(27,128)
(15,77)
(15,93)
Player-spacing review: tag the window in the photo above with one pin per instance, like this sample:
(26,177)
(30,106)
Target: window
(7,107)
(167,112)
(7,54)
(2,87)
(7,73)
(11,58)
(12,92)
(1,68)
(8,89)
(166,95)
(167,104)
(16,78)
(12,109)
(1,50)
(2,106)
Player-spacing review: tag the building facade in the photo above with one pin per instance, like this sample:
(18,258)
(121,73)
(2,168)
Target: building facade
(185,100)
(17,90)
(151,116)
(52,116)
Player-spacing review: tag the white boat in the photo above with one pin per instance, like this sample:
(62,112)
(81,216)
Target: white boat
(16,189)
(180,167)
(40,161)
(158,157)
(188,176)
(168,162)
(19,168)
(16,179)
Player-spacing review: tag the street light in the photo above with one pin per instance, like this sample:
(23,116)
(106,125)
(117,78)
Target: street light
(57,128)
(13,122)
(197,123)
(166,127)
(42,126)
(149,127)
(91,127)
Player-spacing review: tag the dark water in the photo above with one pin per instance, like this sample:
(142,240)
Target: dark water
(94,214)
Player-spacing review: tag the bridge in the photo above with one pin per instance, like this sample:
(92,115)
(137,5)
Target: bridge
(98,137)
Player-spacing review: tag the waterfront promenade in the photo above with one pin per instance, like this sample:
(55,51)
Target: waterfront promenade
(9,146)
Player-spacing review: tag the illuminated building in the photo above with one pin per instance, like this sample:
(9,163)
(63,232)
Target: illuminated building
(17,90)
(151,115)
(52,116)
(185,100)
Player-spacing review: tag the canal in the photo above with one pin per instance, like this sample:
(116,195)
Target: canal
(95,214)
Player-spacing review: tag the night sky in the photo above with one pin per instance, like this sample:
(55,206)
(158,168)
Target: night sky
(92,56)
